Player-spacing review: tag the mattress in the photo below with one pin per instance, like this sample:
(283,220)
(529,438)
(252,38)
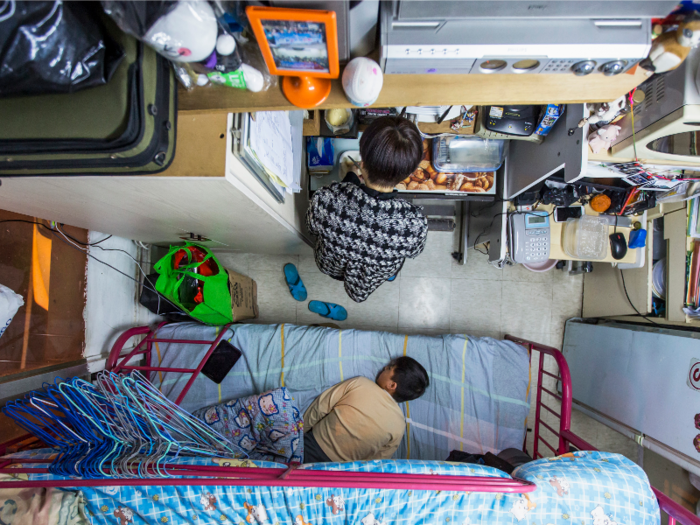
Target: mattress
(477,401)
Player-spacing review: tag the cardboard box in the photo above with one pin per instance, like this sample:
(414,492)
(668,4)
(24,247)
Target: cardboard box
(312,125)
(244,296)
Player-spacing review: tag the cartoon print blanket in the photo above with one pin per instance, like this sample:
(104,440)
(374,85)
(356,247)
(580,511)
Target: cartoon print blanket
(266,427)
(47,506)
(583,488)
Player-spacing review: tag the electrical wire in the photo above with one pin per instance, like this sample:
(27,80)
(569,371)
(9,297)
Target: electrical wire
(75,247)
(509,214)
(96,245)
(80,242)
(624,287)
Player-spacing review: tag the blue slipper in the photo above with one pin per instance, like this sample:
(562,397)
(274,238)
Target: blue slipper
(330,310)
(392,278)
(296,287)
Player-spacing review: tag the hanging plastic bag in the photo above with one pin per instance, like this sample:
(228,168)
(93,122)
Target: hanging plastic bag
(180,31)
(193,279)
(54,47)
(10,302)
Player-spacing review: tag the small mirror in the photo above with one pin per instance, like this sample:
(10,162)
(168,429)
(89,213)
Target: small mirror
(680,144)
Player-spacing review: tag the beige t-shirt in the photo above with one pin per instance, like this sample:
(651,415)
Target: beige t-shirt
(356,420)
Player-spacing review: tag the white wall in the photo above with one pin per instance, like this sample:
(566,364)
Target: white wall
(112,305)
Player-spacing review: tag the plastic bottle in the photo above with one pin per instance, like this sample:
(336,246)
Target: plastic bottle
(230,71)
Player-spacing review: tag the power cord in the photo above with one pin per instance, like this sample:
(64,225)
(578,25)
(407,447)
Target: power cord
(509,214)
(59,234)
(624,286)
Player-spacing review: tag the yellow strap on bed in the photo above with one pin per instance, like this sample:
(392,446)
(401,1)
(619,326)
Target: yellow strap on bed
(282,374)
(160,360)
(408,411)
(461,417)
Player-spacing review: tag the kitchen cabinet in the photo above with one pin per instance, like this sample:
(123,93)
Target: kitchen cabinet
(206,193)
(603,290)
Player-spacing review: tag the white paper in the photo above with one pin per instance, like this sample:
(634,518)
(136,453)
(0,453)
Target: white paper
(271,141)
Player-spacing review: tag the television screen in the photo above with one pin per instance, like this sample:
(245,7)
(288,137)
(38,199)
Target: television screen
(297,46)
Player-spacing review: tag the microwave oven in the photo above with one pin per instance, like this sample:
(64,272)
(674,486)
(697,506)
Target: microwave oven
(419,37)
(667,121)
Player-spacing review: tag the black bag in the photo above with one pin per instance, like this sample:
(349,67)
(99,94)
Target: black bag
(54,47)
(124,127)
(158,304)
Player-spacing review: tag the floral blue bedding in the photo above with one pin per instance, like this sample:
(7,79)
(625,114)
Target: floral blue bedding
(583,488)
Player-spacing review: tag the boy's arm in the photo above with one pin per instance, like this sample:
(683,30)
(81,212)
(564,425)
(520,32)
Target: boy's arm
(324,404)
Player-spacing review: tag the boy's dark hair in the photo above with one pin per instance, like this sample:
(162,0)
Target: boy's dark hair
(391,149)
(410,377)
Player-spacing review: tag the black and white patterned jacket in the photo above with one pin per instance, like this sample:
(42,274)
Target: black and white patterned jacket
(364,235)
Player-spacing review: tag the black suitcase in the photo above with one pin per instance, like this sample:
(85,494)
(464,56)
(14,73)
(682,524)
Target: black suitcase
(125,127)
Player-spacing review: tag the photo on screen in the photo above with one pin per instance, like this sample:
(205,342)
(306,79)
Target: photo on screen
(297,46)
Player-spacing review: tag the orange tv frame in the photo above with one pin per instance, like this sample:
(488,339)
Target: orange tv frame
(265,20)
(283,35)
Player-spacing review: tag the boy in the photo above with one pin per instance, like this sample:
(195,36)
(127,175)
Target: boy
(359,419)
(364,231)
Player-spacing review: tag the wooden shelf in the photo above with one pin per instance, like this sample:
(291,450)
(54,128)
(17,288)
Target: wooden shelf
(605,156)
(430,90)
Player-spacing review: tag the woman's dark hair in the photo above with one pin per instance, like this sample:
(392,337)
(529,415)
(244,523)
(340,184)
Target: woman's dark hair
(410,377)
(391,149)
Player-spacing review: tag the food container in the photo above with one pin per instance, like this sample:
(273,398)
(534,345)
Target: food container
(339,121)
(467,154)
(585,238)
(346,164)
(427,179)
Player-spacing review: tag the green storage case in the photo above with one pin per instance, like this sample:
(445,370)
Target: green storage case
(125,127)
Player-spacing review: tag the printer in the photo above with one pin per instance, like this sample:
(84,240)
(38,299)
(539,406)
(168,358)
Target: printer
(516,36)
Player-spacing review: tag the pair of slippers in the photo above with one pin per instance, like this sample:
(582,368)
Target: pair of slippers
(298,291)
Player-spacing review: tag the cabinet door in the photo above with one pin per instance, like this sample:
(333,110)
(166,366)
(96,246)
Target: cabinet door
(563,149)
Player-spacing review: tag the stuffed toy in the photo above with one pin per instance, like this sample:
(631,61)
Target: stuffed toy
(602,139)
(604,113)
(671,48)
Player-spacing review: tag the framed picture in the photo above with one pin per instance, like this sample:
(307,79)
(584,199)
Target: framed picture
(296,42)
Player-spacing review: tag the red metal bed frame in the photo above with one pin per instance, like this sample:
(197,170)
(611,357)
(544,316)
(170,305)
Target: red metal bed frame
(292,476)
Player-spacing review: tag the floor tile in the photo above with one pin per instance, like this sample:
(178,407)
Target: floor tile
(526,309)
(238,262)
(320,287)
(521,274)
(380,309)
(271,263)
(556,336)
(425,302)
(435,258)
(422,331)
(475,306)
(476,269)
(479,333)
(371,328)
(275,303)
(307,265)
(567,298)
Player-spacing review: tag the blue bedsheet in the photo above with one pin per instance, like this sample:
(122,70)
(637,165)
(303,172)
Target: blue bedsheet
(478,399)
(586,488)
